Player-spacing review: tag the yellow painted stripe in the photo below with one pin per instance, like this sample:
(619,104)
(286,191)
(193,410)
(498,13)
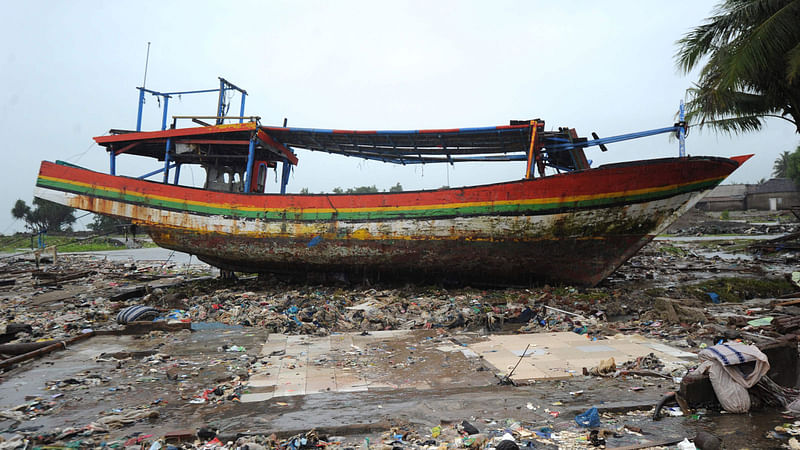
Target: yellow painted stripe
(535,201)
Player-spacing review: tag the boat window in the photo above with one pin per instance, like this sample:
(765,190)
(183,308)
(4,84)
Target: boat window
(236,177)
(226,178)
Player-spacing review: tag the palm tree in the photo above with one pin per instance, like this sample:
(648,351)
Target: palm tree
(751,55)
(781,166)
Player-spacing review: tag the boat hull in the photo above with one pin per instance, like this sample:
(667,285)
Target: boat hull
(570,228)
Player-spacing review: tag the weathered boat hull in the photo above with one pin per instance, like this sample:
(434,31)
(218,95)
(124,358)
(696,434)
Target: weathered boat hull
(572,228)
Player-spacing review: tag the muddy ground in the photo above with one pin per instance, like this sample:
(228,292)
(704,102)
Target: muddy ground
(132,387)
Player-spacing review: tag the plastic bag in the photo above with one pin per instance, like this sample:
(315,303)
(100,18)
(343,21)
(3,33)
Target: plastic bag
(591,418)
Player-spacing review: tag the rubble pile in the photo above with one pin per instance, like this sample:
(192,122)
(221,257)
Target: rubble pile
(684,295)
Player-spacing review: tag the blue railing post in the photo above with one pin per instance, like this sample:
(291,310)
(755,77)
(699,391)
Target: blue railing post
(141,105)
(682,132)
(177,173)
(164,116)
(241,109)
(251,155)
(112,156)
(166,161)
(221,102)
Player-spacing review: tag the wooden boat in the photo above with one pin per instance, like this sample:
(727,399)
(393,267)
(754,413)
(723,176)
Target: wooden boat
(576,226)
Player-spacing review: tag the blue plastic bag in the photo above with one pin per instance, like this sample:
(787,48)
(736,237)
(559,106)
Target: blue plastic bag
(591,418)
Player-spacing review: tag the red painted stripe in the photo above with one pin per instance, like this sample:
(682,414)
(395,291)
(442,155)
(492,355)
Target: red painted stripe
(145,135)
(214,141)
(628,177)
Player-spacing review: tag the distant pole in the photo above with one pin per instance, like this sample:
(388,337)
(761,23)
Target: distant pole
(146,61)
(141,91)
(682,131)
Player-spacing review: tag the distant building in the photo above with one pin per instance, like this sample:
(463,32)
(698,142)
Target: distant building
(727,197)
(773,195)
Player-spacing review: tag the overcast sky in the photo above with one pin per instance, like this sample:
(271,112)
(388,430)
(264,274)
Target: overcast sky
(69,72)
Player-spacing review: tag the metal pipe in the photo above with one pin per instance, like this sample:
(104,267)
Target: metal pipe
(612,139)
(164,115)
(43,351)
(241,109)
(150,174)
(112,156)
(202,91)
(251,154)
(177,173)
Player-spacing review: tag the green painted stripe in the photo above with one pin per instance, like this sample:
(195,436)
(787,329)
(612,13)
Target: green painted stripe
(374,215)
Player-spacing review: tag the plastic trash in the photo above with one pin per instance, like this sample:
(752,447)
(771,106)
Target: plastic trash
(685,444)
(507,445)
(136,313)
(591,418)
(714,297)
(469,428)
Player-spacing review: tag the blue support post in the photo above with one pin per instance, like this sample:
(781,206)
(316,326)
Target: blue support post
(221,102)
(251,156)
(150,174)
(141,105)
(241,109)
(177,173)
(285,171)
(682,132)
(166,162)
(112,156)
(164,116)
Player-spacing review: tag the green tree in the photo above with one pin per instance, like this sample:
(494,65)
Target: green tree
(362,190)
(781,165)
(750,56)
(396,188)
(106,224)
(793,166)
(45,215)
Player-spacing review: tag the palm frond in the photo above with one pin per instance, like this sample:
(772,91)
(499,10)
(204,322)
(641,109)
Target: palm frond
(759,49)
(793,63)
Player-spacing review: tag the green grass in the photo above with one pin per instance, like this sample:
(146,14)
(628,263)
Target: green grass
(11,244)
(737,289)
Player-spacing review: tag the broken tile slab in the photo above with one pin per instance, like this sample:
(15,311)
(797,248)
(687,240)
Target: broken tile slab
(275,343)
(671,351)
(264,379)
(256,397)
(290,388)
(565,354)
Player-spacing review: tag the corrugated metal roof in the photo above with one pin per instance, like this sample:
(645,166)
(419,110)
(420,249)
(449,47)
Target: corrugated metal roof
(728,191)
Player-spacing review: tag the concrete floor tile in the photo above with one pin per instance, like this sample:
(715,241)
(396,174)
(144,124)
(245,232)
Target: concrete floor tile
(258,397)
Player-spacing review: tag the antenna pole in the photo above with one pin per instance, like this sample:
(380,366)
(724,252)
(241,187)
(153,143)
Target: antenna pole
(146,61)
